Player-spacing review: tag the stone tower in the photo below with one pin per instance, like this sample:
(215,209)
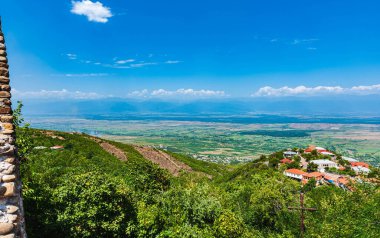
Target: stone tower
(11,209)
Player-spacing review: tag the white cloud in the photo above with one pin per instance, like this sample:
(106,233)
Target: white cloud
(187,93)
(304,41)
(172,62)
(72,56)
(145,93)
(56,94)
(94,11)
(142,93)
(142,64)
(268,91)
(371,89)
(125,61)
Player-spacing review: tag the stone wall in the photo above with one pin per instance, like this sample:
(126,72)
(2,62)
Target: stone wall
(11,210)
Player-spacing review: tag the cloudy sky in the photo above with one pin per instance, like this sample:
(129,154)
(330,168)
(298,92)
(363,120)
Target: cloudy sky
(198,49)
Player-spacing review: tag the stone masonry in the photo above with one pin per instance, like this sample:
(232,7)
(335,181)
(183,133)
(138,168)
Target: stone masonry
(11,209)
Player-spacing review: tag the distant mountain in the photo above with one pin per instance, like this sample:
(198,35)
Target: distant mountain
(312,106)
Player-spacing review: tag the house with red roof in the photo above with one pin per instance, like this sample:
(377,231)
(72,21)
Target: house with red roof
(362,164)
(309,149)
(294,173)
(286,161)
(360,167)
(320,150)
(316,175)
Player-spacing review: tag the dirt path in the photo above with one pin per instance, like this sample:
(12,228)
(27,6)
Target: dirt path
(113,150)
(158,157)
(163,160)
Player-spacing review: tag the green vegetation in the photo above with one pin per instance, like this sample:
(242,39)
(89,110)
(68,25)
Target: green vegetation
(201,166)
(24,143)
(83,191)
(279,133)
(229,143)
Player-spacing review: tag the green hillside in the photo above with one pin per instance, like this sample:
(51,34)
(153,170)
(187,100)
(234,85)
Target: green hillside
(84,191)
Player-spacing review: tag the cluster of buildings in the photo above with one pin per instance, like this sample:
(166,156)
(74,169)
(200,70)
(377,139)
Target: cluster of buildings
(324,174)
(320,178)
(220,159)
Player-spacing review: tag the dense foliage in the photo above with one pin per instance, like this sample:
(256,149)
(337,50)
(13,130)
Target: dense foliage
(83,191)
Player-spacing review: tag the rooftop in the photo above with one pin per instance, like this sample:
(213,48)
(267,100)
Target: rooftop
(313,175)
(322,161)
(295,171)
(349,159)
(286,161)
(362,164)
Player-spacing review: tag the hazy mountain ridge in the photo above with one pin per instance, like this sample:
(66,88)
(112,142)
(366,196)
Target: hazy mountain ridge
(368,106)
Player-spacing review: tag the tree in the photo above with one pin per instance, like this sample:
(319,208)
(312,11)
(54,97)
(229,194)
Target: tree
(375,173)
(228,225)
(273,162)
(311,167)
(342,161)
(95,205)
(344,214)
(269,201)
(18,119)
(294,165)
(24,141)
(310,185)
(262,158)
(297,158)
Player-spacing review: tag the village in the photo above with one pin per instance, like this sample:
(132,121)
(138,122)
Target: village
(320,166)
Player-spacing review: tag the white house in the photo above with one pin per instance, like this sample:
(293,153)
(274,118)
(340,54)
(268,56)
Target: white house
(350,159)
(289,154)
(361,170)
(294,173)
(324,163)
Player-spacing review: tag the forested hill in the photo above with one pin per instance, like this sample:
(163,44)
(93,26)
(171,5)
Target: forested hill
(79,186)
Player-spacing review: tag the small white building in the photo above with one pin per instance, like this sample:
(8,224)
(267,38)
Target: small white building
(324,163)
(350,159)
(294,173)
(361,170)
(289,154)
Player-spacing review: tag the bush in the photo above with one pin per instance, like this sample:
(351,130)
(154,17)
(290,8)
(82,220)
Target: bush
(95,205)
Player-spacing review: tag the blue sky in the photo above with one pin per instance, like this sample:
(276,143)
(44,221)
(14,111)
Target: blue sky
(167,48)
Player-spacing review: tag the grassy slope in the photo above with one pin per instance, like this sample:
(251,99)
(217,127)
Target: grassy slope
(82,153)
(45,170)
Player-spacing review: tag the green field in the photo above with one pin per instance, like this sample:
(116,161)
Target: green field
(229,142)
